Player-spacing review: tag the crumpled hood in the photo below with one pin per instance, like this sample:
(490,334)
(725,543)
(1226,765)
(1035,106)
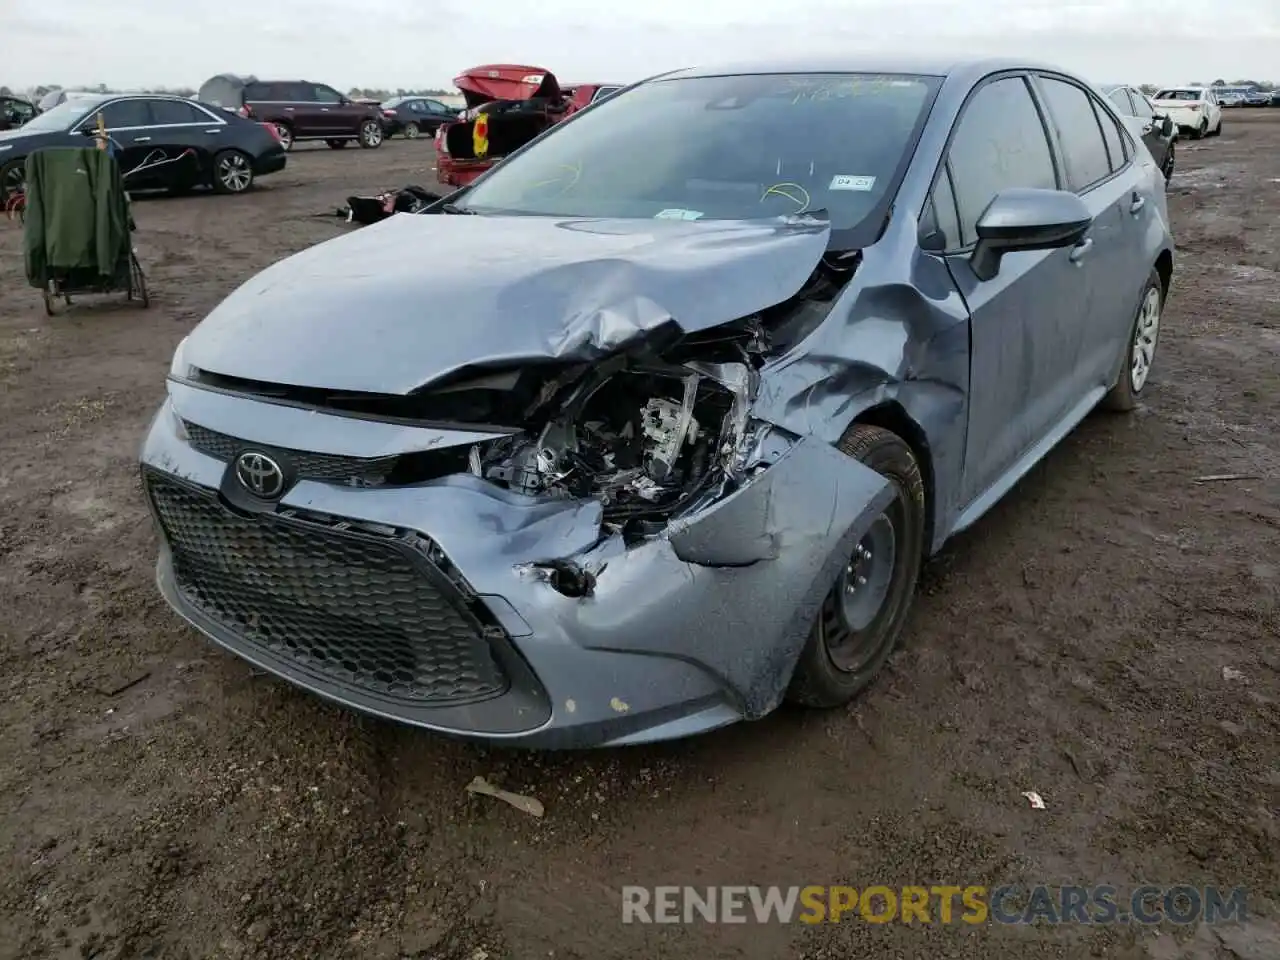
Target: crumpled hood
(393,307)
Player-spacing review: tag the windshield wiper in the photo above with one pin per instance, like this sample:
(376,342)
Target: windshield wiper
(448,207)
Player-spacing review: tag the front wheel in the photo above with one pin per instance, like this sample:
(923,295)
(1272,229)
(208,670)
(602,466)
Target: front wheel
(862,617)
(1170,159)
(1217,131)
(1139,349)
(285,133)
(232,172)
(12,177)
(370,134)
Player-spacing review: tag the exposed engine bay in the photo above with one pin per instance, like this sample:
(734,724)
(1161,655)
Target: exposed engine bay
(644,442)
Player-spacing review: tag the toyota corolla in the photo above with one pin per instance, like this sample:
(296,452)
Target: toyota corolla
(708,371)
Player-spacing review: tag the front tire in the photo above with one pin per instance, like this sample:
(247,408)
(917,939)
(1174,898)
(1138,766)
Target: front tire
(1170,161)
(862,617)
(1217,131)
(12,177)
(232,172)
(370,134)
(1140,349)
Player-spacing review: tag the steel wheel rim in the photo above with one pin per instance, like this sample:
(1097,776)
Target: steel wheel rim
(411,132)
(234,173)
(1145,335)
(372,134)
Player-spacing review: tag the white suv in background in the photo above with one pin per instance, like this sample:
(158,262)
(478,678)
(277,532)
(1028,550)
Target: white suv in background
(1194,109)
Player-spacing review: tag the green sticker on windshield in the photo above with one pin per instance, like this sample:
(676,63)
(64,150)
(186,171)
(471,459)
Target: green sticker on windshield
(675,213)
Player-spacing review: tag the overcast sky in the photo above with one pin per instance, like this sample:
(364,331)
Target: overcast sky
(380,43)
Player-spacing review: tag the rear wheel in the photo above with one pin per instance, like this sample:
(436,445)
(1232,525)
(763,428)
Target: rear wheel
(12,177)
(1170,159)
(411,131)
(1139,349)
(285,133)
(1199,132)
(370,134)
(232,172)
(862,617)
(336,144)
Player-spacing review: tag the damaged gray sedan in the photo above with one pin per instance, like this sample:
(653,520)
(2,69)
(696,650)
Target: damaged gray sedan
(708,370)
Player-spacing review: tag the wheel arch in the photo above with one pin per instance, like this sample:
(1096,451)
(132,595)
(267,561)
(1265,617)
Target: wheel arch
(892,416)
(1164,267)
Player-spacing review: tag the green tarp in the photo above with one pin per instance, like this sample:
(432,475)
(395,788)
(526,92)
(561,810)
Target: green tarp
(77,218)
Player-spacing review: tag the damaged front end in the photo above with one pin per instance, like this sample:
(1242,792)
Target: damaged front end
(617,544)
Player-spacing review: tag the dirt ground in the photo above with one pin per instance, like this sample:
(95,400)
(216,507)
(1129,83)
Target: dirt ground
(1108,637)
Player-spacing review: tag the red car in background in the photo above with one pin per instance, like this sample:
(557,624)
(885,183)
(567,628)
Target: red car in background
(518,102)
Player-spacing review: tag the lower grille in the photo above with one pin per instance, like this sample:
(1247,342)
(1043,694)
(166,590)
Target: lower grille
(355,608)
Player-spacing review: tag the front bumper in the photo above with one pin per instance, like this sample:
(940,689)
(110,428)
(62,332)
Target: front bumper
(680,634)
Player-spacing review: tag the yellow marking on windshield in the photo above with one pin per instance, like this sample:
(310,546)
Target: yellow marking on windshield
(792,191)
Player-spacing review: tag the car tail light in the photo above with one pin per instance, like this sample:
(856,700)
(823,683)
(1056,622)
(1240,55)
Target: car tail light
(390,114)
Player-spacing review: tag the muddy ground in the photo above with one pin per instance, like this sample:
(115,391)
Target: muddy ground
(1106,637)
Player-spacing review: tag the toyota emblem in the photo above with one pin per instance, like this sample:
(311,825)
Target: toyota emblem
(260,475)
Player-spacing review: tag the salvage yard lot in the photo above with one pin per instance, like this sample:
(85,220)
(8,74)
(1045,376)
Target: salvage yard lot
(1106,637)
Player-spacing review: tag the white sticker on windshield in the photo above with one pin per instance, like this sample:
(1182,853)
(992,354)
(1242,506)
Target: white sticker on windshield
(676,213)
(845,182)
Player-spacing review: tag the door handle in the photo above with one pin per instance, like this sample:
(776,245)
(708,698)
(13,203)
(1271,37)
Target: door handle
(324,109)
(288,109)
(214,130)
(1137,204)
(141,139)
(1080,249)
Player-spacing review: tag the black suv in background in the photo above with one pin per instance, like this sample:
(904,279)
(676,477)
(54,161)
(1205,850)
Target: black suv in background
(300,109)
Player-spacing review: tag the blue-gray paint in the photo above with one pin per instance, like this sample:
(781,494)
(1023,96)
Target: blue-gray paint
(701,625)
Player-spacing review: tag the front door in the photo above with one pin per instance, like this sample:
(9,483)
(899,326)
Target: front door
(1027,321)
(128,124)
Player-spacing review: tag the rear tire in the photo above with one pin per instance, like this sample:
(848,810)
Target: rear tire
(232,172)
(286,136)
(862,617)
(1199,132)
(411,131)
(1139,349)
(370,134)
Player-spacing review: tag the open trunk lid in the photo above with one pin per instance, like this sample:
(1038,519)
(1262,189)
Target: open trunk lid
(506,81)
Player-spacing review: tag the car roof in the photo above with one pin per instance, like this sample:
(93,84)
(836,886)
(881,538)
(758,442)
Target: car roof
(961,68)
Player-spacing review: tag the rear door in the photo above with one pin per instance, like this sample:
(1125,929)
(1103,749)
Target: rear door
(1026,321)
(1098,163)
(190,135)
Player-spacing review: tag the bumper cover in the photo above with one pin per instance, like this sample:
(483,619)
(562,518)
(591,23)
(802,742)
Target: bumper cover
(681,634)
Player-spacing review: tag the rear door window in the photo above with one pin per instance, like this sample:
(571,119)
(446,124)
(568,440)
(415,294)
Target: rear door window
(1080,135)
(322,94)
(125,113)
(1141,108)
(1000,143)
(172,112)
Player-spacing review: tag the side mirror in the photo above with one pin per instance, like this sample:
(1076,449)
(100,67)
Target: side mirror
(1166,126)
(1027,219)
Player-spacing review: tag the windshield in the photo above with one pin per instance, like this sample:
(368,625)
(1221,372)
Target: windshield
(61,117)
(1178,95)
(721,148)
